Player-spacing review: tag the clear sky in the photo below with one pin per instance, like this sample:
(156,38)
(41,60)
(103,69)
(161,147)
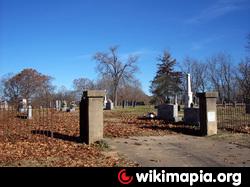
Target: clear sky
(60,37)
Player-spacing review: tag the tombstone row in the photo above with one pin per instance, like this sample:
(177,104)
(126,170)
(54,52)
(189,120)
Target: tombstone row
(205,115)
(25,108)
(4,105)
(63,106)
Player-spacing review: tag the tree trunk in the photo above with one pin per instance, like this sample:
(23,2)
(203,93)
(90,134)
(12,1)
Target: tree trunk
(115,95)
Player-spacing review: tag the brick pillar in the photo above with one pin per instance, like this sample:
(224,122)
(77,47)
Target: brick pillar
(208,113)
(91,116)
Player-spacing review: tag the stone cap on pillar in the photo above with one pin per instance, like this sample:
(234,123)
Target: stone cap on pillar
(94,93)
(207,95)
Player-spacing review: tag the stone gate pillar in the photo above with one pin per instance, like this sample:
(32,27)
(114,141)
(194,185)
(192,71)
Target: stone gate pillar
(208,113)
(91,116)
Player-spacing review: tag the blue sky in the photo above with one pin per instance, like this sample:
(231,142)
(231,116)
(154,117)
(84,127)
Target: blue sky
(60,37)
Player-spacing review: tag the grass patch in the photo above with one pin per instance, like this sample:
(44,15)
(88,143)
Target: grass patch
(103,145)
(136,110)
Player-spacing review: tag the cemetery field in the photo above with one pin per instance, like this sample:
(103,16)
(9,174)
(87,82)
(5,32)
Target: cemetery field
(133,122)
(51,138)
(28,143)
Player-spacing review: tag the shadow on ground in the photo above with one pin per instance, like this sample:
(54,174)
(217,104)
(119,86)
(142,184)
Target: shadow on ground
(56,135)
(178,127)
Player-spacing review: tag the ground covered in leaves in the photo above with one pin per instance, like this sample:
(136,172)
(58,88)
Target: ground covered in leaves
(133,122)
(55,153)
(51,138)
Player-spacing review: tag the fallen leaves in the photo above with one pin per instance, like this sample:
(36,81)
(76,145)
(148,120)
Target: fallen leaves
(51,139)
(124,124)
(54,153)
(237,129)
(29,143)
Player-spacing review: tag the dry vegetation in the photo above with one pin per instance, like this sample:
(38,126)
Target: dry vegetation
(132,122)
(30,142)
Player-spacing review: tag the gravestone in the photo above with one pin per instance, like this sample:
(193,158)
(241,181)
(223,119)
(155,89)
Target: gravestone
(105,101)
(60,104)
(191,116)
(91,116)
(109,105)
(22,107)
(57,105)
(72,107)
(4,105)
(168,112)
(64,106)
(29,112)
(248,108)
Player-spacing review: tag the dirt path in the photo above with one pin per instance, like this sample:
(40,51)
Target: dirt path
(181,151)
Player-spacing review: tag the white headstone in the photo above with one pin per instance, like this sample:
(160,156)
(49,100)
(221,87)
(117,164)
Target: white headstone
(23,106)
(109,105)
(105,100)
(72,107)
(24,102)
(64,106)
(4,105)
(57,105)
(29,112)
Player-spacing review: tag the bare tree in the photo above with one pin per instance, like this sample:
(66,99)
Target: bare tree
(104,83)
(1,87)
(243,78)
(3,81)
(82,84)
(64,94)
(221,75)
(132,92)
(243,75)
(198,71)
(110,65)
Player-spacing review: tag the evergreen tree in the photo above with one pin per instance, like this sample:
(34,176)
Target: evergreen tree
(167,82)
